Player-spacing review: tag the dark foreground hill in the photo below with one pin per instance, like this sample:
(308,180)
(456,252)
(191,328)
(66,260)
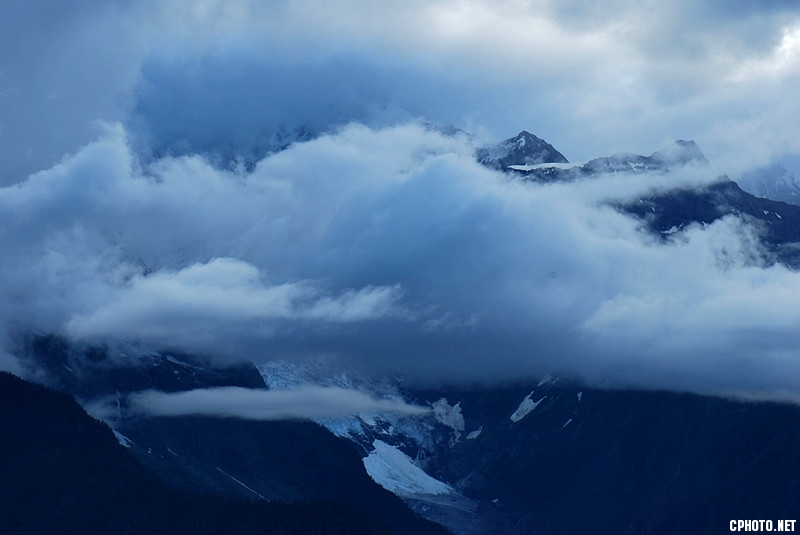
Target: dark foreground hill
(63,472)
(626,462)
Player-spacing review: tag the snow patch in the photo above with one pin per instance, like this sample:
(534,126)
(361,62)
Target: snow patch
(242,484)
(122,439)
(566,423)
(475,434)
(279,375)
(636,166)
(368,419)
(173,360)
(449,416)
(396,472)
(580,395)
(546,379)
(543,166)
(525,407)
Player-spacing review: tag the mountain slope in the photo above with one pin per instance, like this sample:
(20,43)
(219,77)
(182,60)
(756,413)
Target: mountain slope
(777,222)
(63,472)
(591,461)
(291,461)
(666,213)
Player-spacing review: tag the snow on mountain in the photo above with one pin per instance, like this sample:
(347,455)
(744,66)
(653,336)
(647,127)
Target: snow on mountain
(450,416)
(399,453)
(525,407)
(550,168)
(422,431)
(543,166)
(668,214)
(676,154)
(475,434)
(256,493)
(523,149)
(124,441)
(396,472)
(361,428)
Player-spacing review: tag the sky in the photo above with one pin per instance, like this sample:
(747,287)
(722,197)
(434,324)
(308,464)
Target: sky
(140,200)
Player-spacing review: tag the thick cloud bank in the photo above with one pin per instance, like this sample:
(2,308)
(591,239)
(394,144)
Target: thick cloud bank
(372,237)
(393,247)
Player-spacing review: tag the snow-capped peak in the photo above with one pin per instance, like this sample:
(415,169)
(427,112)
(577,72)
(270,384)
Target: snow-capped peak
(523,149)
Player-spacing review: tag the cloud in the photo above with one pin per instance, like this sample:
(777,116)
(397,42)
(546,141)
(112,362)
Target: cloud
(199,305)
(305,402)
(380,239)
(394,249)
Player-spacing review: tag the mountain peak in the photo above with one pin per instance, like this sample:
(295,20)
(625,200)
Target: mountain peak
(522,149)
(680,152)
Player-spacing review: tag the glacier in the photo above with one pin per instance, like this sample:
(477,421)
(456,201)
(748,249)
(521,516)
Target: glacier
(396,472)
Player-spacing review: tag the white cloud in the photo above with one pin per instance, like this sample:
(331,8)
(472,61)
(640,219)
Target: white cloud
(394,248)
(203,303)
(305,402)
